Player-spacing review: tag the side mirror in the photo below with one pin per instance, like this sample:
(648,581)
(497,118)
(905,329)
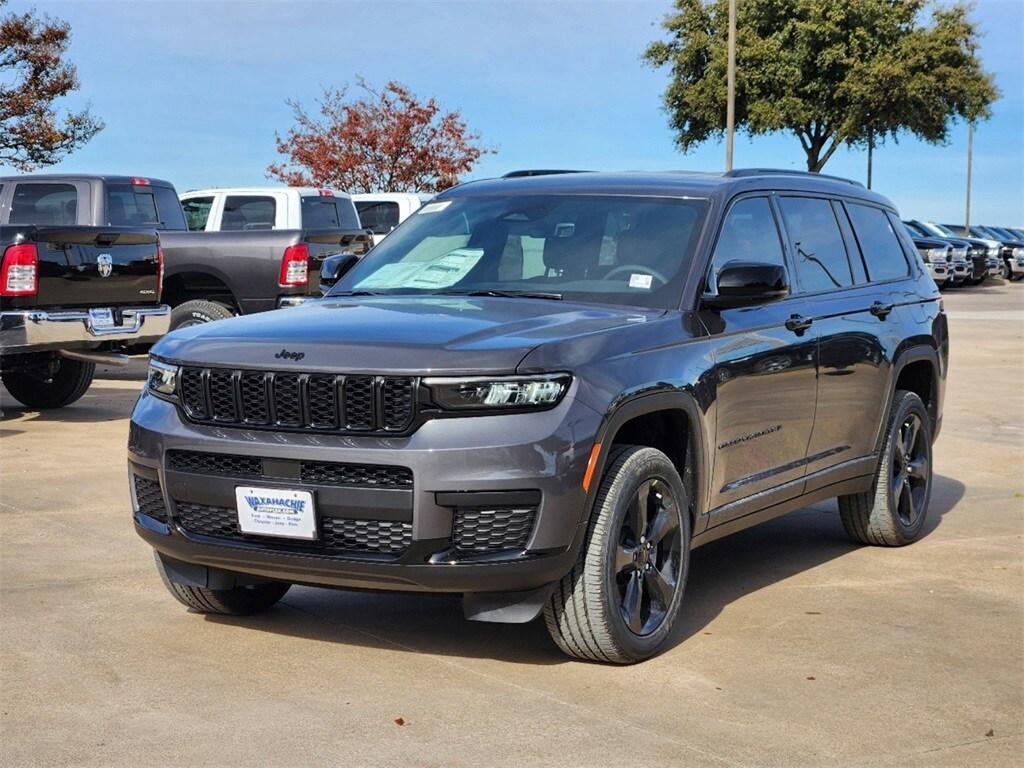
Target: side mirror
(745,283)
(334,268)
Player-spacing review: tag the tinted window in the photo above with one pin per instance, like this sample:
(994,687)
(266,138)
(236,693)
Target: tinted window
(748,234)
(168,208)
(44,204)
(197,212)
(130,205)
(595,248)
(328,213)
(878,243)
(378,217)
(243,212)
(818,248)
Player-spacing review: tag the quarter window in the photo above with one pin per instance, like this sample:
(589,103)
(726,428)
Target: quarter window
(748,234)
(818,249)
(878,242)
(248,213)
(44,204)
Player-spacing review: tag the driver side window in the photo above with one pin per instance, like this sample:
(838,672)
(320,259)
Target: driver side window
(748,234)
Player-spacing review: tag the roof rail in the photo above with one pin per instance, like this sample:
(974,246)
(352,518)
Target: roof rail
(739,173)
(538,172)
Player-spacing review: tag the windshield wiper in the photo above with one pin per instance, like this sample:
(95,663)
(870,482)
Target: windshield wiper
(505,294)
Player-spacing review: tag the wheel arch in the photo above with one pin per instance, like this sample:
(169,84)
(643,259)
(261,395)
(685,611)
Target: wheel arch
(199,283)
(916,369)
(625,423)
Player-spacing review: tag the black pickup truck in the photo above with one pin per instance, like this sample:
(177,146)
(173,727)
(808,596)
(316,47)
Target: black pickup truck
(209,275)
(70,296)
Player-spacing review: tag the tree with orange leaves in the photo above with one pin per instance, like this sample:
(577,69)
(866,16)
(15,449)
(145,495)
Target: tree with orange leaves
(33,74)
(388,140)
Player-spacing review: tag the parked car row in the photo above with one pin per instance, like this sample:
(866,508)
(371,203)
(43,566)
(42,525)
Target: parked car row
(957,256)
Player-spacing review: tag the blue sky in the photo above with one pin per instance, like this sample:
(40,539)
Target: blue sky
(193,91)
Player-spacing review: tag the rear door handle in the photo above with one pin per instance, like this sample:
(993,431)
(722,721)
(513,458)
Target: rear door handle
(798,323)
(880,310)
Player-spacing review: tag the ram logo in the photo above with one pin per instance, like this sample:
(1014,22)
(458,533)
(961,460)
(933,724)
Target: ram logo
(105,263)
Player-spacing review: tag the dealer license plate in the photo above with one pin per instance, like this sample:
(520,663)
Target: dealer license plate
(276,512)
(101,318)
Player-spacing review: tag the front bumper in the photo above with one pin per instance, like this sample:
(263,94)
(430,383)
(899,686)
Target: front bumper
(540,456)
(29,330)
(939,272)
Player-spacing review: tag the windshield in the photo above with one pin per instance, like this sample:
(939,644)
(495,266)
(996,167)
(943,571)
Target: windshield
(604,249)
(933,229)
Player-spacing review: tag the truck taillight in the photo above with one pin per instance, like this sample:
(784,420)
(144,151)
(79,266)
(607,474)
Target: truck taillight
(295,265)
(159,272)
(326,193)
(19,272)
(140,182)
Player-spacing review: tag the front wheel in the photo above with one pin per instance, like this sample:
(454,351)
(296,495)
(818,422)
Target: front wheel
(49,382)
(237,601)
(894,511)
(620,601)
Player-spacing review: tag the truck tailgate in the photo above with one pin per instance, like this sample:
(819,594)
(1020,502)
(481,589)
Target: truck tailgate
(97,266)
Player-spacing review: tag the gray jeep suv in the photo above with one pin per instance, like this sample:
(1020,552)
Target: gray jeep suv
(542,392)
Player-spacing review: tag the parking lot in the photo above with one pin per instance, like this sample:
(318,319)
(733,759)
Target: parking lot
(796,648)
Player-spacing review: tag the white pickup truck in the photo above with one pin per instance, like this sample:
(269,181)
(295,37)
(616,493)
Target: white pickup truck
(244,209)
(381,212)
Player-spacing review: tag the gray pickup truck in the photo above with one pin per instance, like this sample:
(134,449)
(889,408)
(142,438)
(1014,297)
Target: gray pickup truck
(214,275)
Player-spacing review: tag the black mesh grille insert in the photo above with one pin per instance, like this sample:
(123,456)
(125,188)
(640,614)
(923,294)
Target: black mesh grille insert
(496,530)
(224,464)
(311,472)
(336,536)
(316,401)
(359,402)
(150,499)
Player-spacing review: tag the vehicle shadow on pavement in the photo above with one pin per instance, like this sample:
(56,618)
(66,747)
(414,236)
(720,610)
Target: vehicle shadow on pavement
(98,404)
(730,568)
(720,573)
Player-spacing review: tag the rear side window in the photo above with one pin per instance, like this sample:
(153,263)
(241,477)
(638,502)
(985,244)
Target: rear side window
(377,216)
(44,204)
(878,243)
(248,213)
(197,212)
(325,212)
(818,248)
(748,234)
(143,205)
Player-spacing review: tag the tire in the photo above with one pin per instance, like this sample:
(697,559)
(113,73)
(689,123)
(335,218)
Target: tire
(1004,270)
(586,614)
(197,312)
(238,601)
(56,382)
(894,511)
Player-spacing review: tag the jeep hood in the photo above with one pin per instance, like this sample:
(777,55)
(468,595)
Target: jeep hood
(422,335)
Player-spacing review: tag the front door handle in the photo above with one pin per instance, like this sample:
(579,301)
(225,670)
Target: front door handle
(798,324)
(880,310)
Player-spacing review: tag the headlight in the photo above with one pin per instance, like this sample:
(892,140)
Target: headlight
(1018,252)
(993,250)
(162,379)
(959,253)
(519,392)
(935,255)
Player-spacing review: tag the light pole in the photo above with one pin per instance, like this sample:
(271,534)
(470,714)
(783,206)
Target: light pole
(970,158)
(730,105)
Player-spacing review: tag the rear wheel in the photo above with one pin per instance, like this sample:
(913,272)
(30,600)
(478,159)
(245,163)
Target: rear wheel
(197,312)
(620,601)
(238,601)
(50,382)
(894,511)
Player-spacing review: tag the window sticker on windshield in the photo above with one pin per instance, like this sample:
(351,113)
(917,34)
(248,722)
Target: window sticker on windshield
(640,281)
(440,273)
(437,207)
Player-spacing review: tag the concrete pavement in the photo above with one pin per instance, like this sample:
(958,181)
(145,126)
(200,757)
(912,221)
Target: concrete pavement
(797,647)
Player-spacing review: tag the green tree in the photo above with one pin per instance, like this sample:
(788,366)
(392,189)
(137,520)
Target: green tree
(833,72)
(34,74)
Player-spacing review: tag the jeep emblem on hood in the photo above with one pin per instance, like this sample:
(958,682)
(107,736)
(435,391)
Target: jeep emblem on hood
(284,354)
